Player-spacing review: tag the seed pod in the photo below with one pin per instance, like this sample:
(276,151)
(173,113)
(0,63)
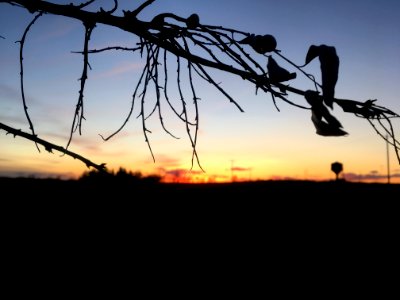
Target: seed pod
(264,43)
(192,21)
(260,43)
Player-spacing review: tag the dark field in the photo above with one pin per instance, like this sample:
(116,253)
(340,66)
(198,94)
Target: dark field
(289,213)
(243,191)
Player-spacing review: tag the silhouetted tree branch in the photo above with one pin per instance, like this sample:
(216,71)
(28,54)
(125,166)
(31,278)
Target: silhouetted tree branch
(50,146)
(202,47)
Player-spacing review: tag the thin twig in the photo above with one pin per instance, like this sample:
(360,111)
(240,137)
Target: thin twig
(21,58)
(79,113)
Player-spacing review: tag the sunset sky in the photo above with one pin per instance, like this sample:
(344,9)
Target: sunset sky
(259,143)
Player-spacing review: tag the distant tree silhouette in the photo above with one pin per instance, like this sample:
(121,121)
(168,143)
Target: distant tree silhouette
(336,168)
(185,39)
(120,176)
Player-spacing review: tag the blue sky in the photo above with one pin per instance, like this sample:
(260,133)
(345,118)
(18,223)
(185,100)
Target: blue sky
(260,143)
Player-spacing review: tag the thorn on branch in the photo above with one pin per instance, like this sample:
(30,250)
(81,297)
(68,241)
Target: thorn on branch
(48,148)
(82,5)
(109,12)
(128,14)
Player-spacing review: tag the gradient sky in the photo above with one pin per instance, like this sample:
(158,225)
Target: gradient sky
(261,143)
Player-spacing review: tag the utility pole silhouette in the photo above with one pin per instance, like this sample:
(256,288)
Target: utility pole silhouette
(387,160)
(232,170)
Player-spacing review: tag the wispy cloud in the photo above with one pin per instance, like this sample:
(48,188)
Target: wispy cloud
(181,172)
(9,93)
(14,121)
(218,178)
(240,169)
(374,175)
(12,94)
(59,29)
(166,162)
(120,69)
(37,174)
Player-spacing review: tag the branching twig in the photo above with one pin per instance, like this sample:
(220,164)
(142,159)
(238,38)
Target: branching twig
(79,113)
(157,88)
(165,88)
(132,106)
(309,76)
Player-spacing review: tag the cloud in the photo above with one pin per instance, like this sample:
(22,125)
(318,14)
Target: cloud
(181,172)
(278,177)
(240,169)
(166,161)
(120,69)
(15,121)
(59,29)
(373,175)
(36,174)
(217,178)
(9,93)
(12,94)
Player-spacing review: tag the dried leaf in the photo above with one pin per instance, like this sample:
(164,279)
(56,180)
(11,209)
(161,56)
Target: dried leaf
(248,40)
(312,53)
(319,109)
(329,72)
(331,126)
(277,73)
(324,128)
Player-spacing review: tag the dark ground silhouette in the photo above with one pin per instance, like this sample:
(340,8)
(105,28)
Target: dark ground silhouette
(133,188)
(287,215)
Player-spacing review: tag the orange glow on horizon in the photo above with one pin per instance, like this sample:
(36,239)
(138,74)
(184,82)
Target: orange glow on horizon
(203,179)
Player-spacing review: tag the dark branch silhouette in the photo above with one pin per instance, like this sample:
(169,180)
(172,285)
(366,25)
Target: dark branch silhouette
(79,117)
(21,58)
(203,47)
(50,146)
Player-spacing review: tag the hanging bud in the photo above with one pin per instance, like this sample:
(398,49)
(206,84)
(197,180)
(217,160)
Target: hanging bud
(260,43)
(193,21)
(264,43)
